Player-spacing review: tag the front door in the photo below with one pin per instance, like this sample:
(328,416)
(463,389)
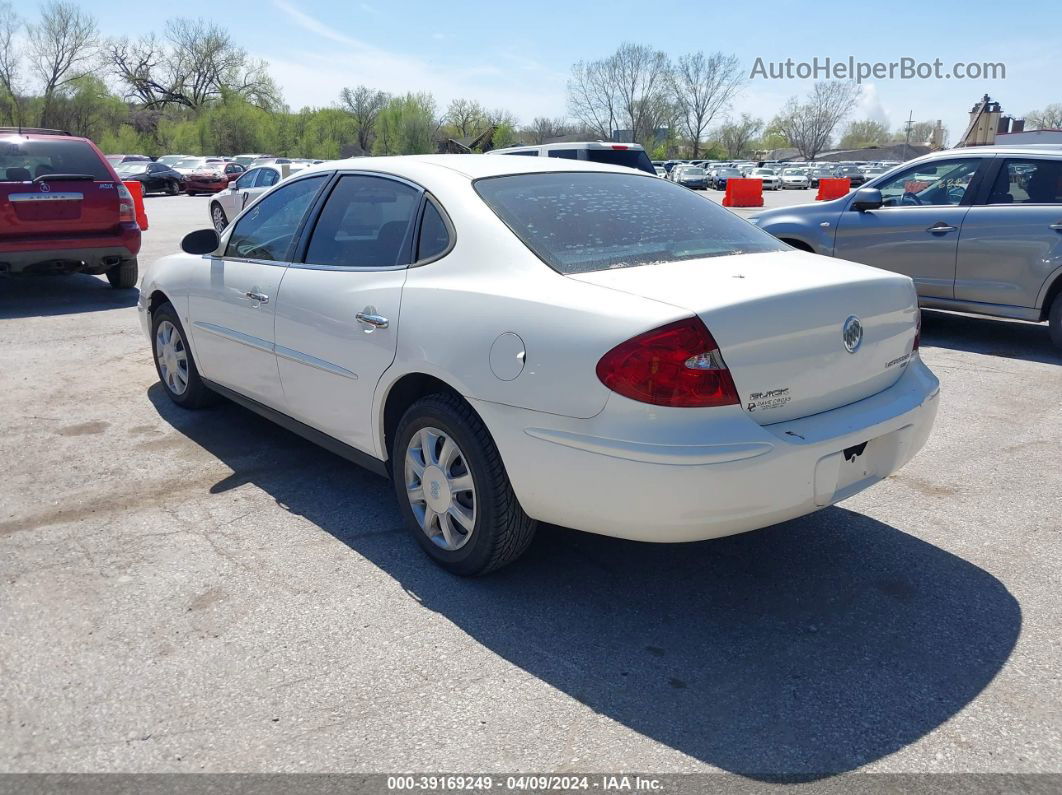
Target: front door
(338,313)
(232,308)
(1012,243)
(916,231)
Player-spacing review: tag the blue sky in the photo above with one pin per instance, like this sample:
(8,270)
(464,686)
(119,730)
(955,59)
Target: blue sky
(517,55)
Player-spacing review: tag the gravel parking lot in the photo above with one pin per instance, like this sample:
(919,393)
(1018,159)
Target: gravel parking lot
(207,592)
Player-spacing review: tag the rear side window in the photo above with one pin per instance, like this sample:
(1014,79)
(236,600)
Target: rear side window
(1028,182)
(434,235)
(21,160)
(364,224)
(631,158)
(578,222)
(567,154)
(266,230)
(527,153)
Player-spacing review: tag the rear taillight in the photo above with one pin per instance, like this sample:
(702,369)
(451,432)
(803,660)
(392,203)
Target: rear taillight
(675,365)
(620,146)
(918,330)
(126,209)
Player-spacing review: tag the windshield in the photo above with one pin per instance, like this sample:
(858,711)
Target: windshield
(24,160)
(763,172)
(728,172)
(190,162)
(132,167)
(578,222)
(694,172)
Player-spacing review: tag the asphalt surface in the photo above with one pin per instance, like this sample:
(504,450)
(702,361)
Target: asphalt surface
(204,591)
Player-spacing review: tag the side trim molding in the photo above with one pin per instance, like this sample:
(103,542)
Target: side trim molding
(343,450)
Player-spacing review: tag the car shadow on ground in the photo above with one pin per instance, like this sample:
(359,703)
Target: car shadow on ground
(793,653)
(46,296)
(1010,339)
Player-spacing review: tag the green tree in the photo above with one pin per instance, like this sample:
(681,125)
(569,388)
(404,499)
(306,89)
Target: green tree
(861,134)
(406,126)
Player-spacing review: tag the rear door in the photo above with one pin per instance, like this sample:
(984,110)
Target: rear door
(1012,241)
(232,304)
(54,187)
(916,233)
(337,317)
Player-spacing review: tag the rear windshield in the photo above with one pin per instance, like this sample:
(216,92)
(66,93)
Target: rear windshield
(22,160)
(631,158)
(578,222)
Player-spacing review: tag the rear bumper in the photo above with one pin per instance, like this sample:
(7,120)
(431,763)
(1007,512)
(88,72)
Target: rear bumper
(69,254)
(671,475)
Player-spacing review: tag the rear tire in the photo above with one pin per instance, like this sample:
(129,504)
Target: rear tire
(172,188)
(174,362)
(123,276)
(500,530)
(1054,319)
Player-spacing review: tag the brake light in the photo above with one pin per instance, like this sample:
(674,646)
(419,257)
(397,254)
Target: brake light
(918,330)
(675,365)
(619,146)
(126,209)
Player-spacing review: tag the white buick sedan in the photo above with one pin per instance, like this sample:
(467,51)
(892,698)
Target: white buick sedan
(522,340)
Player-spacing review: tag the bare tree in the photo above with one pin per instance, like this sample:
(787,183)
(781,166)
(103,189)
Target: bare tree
(193,64)
(364,104)
(702,86)
(542,128)
(593,97)
(809,125)
(501,117)
(62,46)
(736,136)
(466,116)
(10,62)
(1047,119)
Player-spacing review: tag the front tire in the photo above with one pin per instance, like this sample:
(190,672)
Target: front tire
(172,189)
(218,217)
(123,276)
(453,490)
(174,362)
(1054,319)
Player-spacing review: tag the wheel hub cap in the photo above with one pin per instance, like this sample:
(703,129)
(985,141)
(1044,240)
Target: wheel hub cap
(440,488)
(172,357)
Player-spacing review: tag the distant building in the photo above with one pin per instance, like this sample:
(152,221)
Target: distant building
(988,124)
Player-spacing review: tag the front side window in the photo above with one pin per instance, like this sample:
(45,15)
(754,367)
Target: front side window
(266,230)
(364,224)
(578,222)
(1028,182)
(247,180)
(939,183)
(267,178)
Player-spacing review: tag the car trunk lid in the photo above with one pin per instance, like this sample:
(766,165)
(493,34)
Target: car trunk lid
(779,320)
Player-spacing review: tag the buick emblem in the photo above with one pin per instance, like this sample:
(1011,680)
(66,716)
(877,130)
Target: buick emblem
(852,334)
(435,489)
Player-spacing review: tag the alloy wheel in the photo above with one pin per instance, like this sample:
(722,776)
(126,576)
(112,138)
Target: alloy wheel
(440,488)
(217,215)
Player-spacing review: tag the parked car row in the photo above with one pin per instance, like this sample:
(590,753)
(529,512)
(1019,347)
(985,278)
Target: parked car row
(194,174)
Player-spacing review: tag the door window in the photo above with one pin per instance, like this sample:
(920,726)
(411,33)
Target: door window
(247,180)
(267,177)
(936,183)
(265,232)
(1028,182)
(364,224)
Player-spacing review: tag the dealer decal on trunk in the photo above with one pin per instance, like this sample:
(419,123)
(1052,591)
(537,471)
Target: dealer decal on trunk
(771,399)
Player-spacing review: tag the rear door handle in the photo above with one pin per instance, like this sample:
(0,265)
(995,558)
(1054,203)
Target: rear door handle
(370,318)
(1057,227)
(261,298)
(942,227)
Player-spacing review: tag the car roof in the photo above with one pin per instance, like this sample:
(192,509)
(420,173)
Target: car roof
(42,136)
(470,166)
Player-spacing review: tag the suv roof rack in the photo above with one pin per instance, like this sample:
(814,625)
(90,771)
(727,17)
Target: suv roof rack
(33,130)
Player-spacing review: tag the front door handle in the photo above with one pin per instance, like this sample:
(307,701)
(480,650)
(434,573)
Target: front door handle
(261,298)
(940,226)
(369,317)
(1057,227)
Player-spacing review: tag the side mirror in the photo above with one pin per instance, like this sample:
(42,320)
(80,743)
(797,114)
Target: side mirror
(202,241)
(867,199)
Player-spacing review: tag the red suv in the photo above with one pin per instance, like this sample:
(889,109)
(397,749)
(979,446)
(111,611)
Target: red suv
(63,209)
